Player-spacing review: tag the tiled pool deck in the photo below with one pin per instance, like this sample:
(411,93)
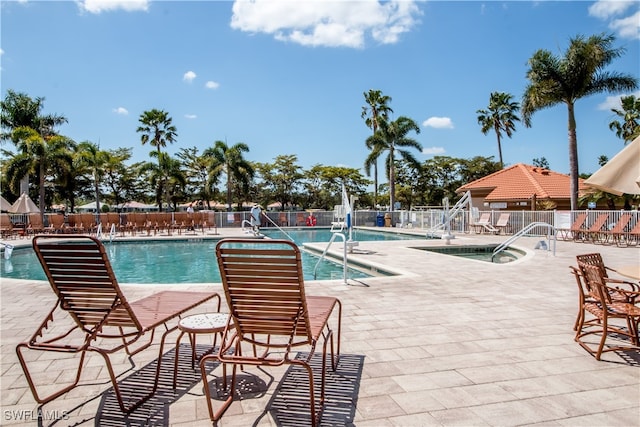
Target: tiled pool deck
(446,342)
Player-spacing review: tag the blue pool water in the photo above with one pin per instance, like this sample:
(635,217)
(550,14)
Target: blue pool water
(179,261)
(305,235)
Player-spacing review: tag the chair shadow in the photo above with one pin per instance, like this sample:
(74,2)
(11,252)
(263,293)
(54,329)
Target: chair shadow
(155,410)
(289,405)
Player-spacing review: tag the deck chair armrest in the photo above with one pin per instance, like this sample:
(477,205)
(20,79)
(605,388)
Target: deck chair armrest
(629,295)
(634,286)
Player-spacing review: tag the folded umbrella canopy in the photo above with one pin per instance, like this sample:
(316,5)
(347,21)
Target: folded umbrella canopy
(621,174)
(4,204)
(24,204)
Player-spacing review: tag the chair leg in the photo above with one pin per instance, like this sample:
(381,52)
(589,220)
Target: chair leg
(216,415)
(315,417)
(32,385)
(175,364)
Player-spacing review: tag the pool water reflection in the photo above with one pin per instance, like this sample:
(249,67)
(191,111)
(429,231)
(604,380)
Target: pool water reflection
(162,261)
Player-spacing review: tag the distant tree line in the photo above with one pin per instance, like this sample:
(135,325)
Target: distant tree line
(65,172)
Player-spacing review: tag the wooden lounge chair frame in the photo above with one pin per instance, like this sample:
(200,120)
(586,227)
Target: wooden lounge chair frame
(80,274)
(605,310)
(264,286)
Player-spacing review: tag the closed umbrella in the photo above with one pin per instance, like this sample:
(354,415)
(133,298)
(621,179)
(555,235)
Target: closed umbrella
(24,204)
(621,174)
(4,205)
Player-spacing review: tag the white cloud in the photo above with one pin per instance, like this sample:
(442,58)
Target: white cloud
(189,76)
(433,151)
(99,6)
(605,9)
(613,101)
(327,23)
(121,110)
(1,52)
(626,26)
(190,116)
(212,85)
(438,123)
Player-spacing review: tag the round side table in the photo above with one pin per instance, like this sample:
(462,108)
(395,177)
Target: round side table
(206,323)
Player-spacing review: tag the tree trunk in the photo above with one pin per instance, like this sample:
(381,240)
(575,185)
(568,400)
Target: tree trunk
(41,191)
(500,150)
(573,158)
(392,180)
(375,184)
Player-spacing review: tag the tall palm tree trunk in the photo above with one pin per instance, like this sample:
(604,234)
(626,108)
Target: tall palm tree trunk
(573,157)
(41,191)
(499,146)
(392,180)
(375,184)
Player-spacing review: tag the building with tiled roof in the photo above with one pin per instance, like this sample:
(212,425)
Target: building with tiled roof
(521,187)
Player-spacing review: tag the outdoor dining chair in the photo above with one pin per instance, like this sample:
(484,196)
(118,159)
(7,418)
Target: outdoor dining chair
(607,314)
(271,314)
(102,319)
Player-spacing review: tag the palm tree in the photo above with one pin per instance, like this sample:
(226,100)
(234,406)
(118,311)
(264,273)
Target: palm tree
(94,159)
(156,129)
(377,108)
(629,129)
(116,175)
(39,156)
(390,137)
(229,160)
(500,116)
(580,73)
(18,110)
(165,177)
(197,170)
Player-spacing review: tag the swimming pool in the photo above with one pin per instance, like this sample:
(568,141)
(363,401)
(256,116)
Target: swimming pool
(164,262)
(193,260)
(479,253)
(312,234)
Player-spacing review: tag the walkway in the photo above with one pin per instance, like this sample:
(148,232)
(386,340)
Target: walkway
(448,341)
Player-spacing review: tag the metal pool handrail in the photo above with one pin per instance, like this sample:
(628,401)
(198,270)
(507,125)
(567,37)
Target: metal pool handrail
(551,230)
(344,256)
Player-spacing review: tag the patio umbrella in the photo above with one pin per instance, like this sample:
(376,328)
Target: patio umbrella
(4,205)
(621,174)
(24,204)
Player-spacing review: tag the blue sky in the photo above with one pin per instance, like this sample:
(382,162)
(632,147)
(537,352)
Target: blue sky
(287,77)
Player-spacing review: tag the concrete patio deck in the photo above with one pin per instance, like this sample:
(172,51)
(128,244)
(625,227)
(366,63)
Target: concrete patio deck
(446,342)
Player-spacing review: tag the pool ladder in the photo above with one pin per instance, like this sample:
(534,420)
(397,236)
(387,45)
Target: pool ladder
(551,230)
(344,256)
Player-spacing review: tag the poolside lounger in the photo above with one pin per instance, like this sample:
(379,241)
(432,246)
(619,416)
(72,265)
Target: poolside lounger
(484,224)
(503,222)
(264,286)
(104,322)
(6,226)
(595,231)
(576,231)
(616,234)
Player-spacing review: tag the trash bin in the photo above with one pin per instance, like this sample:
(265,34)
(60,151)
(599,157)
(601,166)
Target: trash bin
(380,220)
(387,220)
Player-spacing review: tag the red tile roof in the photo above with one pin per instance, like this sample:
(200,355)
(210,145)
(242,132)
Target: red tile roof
(521,182)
